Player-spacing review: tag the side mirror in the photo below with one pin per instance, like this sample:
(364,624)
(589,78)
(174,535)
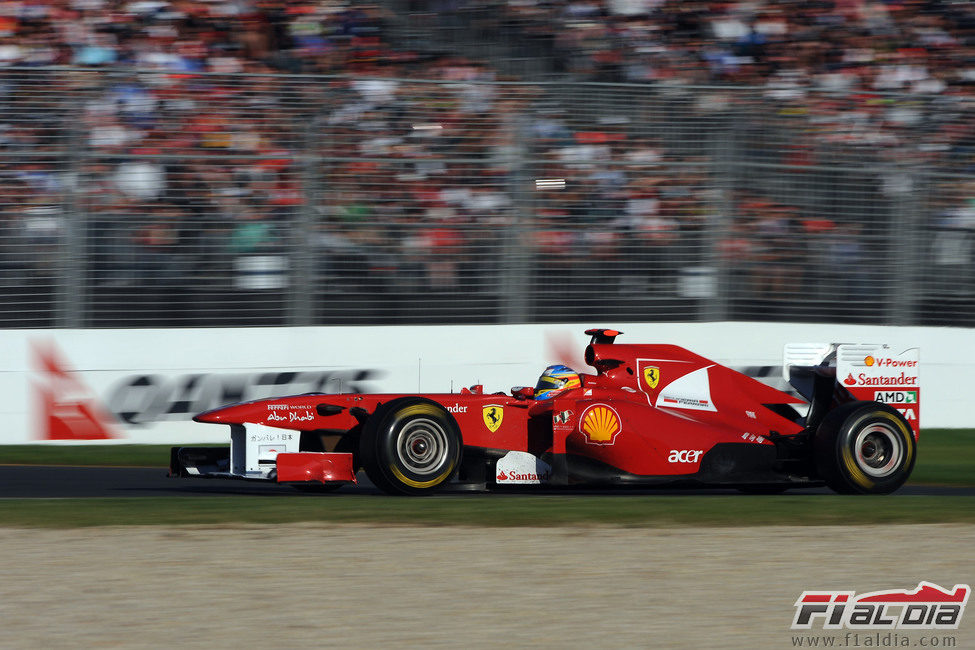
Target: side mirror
(522,392)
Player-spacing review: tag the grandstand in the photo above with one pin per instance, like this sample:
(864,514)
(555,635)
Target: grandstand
(299,163)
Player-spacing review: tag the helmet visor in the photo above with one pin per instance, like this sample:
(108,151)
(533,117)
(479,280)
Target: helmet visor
(549,383)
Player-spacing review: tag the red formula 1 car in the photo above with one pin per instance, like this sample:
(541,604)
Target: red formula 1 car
(650,415)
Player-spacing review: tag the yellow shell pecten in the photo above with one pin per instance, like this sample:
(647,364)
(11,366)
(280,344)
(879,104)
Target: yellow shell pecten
(600,424)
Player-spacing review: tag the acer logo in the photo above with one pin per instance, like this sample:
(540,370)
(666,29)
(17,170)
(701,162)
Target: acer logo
(684,455)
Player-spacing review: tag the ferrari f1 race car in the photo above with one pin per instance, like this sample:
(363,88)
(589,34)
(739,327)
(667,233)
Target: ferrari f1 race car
(650,415)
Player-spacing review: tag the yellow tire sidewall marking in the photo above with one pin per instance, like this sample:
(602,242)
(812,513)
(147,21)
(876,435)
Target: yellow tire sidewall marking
(420,409)
(849,461)
(421,484)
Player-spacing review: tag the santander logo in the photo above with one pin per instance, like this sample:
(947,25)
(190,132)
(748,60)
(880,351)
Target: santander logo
(864,379)
(512,475)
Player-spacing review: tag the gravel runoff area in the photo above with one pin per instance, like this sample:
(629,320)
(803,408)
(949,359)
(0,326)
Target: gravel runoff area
(354,586)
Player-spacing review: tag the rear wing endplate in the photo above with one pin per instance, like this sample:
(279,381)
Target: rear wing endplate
(874,372)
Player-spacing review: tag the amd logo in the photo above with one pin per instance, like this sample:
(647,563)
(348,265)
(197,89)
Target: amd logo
(895,396)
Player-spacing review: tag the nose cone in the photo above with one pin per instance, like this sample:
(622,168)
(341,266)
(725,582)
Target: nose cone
(240,413)
(214,416)
(222,415)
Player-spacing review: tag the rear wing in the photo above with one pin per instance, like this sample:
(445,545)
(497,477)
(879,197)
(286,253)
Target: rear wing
(867,371)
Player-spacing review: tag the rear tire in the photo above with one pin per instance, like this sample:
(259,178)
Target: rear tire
(410,445)
(864,448)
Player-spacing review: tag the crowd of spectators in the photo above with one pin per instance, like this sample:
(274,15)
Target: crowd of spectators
(225,36)
(921,46)
(213,147)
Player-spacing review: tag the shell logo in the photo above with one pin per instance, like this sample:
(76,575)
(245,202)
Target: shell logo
(600,424)
(869,361)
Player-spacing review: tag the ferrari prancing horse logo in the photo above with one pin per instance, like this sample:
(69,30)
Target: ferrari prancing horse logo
(493,414)
(651,375)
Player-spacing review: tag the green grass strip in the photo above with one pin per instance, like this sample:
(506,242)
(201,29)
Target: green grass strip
(493,510)
(945,457)
(87,455)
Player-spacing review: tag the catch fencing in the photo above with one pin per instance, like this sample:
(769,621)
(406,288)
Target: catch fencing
(149,199)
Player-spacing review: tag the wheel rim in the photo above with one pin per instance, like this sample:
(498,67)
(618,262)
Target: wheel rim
(878,450)
(422,446)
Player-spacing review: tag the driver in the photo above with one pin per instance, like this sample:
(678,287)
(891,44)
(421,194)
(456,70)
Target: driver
(556,379)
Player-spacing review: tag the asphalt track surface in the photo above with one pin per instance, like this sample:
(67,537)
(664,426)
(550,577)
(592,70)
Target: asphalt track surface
(52,482)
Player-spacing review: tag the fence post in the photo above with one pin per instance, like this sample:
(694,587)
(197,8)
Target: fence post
(72,290)
(722,147)
(905,237)
(301,293)
(514,284)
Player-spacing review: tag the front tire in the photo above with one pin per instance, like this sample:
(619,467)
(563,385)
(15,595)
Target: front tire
(410,445)
(864,448)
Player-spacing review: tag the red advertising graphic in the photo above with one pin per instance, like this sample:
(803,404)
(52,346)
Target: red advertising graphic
(69,410)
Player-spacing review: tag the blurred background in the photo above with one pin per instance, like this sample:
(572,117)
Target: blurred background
(313,162)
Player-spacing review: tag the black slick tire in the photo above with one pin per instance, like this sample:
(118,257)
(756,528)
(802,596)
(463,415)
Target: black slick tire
(864,448)
(410,445)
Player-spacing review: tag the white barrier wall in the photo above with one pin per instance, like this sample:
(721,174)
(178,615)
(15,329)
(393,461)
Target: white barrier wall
(143,386)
